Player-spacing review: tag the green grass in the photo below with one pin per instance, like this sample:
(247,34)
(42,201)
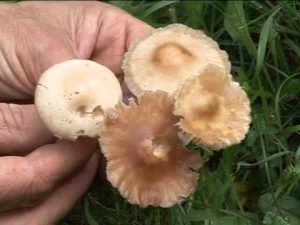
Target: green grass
(258,181)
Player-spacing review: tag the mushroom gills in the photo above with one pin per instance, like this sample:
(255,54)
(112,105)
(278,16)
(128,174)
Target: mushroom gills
(214,109)
(146,160)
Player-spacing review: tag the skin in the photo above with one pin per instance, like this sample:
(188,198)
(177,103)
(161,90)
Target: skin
(41,178)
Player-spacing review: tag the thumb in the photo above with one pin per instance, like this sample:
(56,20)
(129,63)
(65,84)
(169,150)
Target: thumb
(54,48)
(29,47)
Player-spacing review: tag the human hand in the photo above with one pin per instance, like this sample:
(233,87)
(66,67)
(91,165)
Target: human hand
(41,178)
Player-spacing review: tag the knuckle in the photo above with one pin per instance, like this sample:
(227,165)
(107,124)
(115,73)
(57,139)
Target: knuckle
(40,186)
(11,120)
(54,45)
(51,40)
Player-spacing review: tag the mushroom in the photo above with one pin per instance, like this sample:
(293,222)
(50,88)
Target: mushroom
(146,160)
(214,109)
(71,97)
(167,56)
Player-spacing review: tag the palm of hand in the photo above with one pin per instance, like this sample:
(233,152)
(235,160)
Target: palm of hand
(34,166)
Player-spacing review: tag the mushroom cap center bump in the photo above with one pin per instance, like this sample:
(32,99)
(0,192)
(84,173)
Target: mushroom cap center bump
(171,55)
(154,150)
(207,106)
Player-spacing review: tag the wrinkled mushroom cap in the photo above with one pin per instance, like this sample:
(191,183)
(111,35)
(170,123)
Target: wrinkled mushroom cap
(165,58)
(214,109)
(71,97)
(145,159)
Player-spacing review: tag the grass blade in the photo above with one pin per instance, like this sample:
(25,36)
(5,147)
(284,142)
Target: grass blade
(156,7)
(265,32)
(236,26)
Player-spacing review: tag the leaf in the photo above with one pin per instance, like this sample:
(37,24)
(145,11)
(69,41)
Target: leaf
(291,129)
(89,218)
(269,158)
(271,218)
(262,43)
(157,6)
(235,24)
(126,5)
(297,160)
(251,137)
(277,97)
(293,46)
(285,206)
(290,204)
(194,11)
(218,218)
(201,215)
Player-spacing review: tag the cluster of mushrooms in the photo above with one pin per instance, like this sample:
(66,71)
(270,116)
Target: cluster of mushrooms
(184,91)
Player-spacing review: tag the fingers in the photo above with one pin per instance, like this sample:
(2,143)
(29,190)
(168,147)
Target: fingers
(21,129)
(52,209)
(106,41)
(28,47)
(117,32)
(68,193)
(25,180)
(61,31)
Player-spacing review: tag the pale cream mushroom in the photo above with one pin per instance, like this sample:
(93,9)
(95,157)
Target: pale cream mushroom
(214,109)
(146,160)
(71,97)
(168,56)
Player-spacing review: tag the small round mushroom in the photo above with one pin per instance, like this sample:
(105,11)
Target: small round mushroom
(214,109)
(146,160)
(71,97)
(167,56)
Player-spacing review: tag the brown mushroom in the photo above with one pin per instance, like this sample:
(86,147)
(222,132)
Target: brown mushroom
(146,160)
(214,109)
(165,58)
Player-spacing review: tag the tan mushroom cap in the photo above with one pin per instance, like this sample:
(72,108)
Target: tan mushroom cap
(214,109)
(146,160)
(165,58)
(71,97)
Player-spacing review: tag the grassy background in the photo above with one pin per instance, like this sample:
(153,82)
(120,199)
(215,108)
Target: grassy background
(256,182)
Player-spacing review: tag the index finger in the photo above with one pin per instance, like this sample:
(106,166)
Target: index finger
(25,180)
(50,210)
(117,32)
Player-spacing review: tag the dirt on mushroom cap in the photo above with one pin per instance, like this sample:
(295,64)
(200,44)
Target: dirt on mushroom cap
(71,97)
